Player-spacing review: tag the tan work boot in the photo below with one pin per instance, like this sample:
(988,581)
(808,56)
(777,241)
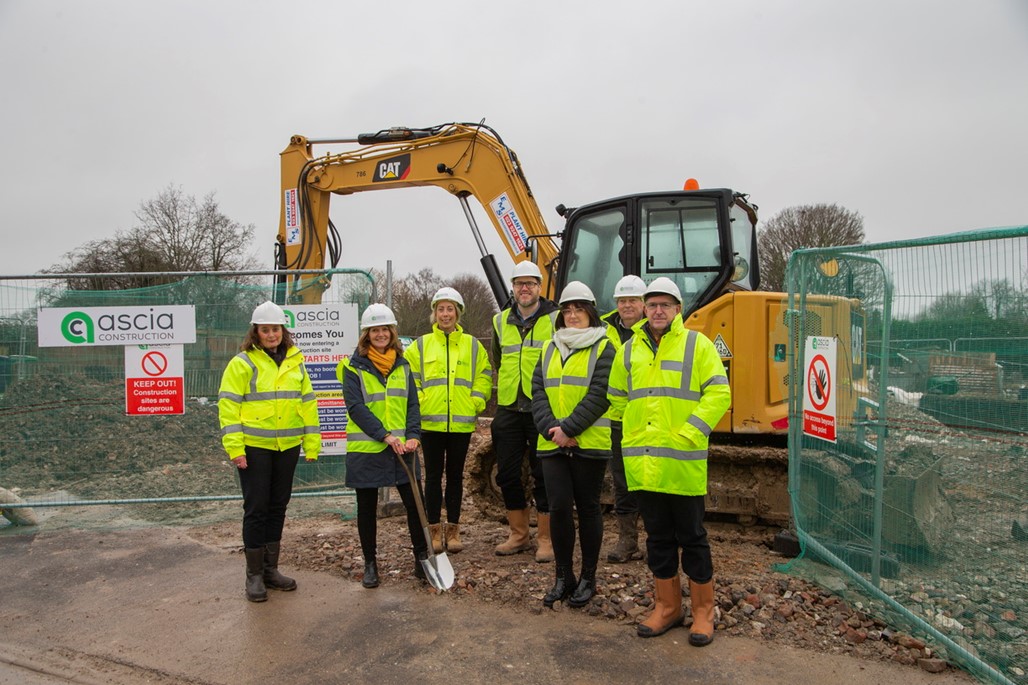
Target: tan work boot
(544,545)
(701,633)
(518,541)
(627,546)
(437,540)
(453,543)
(667,610)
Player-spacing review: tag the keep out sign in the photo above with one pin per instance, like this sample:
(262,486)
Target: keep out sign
(153,380)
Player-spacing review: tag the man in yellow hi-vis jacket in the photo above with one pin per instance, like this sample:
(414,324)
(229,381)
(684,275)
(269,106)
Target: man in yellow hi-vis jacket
(670,388)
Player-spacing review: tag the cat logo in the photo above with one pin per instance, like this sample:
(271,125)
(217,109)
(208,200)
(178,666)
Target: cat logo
(392,169)
(722,347)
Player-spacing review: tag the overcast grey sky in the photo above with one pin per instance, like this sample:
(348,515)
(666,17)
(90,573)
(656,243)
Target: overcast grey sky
(912,113)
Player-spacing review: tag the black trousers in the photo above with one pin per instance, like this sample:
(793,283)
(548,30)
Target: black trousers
(624,501)
(673,523)
(267,485)
(367,520)
(514,439)
(574,482)
(444,453)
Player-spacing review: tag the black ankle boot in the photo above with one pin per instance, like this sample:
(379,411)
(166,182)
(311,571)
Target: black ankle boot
(370,573)
(562,588)
(419,569)
(585,590)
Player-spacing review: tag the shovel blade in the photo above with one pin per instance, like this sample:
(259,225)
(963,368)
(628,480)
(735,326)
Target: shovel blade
(438,571)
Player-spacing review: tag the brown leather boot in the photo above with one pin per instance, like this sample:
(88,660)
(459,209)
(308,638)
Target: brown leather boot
(518,541)
(437,539)
(627,546)
(453,543)
(667,610)
(544,545)
(701,633)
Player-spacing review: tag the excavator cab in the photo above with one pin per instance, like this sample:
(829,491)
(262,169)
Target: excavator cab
(704,240)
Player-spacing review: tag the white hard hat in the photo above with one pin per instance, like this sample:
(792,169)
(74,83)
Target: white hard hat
(526,269)
(377,315)
(630,286)
(268,312)
(576,291)
(664,286)
(449,294)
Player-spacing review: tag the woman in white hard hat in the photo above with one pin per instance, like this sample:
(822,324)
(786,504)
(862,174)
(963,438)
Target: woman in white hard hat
(384,421)
(569,402)
(267,410)
(454,379)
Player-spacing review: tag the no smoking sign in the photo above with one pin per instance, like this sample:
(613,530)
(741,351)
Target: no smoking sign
(154,380)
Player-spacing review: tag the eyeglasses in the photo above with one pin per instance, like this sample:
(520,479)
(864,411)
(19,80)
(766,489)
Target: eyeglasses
(665,306)
(523,285)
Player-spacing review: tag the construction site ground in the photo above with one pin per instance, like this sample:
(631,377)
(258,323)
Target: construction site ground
(98,595)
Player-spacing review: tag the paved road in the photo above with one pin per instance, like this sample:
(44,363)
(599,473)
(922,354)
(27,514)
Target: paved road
(153,605)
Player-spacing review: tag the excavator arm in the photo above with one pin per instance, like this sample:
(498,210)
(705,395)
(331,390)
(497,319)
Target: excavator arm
(463,159)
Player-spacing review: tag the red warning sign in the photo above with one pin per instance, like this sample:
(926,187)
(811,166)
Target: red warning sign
(154,380)
(819,418)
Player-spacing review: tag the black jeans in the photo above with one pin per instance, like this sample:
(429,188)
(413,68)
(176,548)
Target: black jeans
(574,482)
(367,520)
(675,522)
(624,501)
(267,485)
(514,436)
(444,452)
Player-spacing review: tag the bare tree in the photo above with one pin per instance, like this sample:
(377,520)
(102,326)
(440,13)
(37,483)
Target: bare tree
(820,225)
(175,233)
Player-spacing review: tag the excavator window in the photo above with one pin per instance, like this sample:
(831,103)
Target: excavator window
(681,239)
(594,253)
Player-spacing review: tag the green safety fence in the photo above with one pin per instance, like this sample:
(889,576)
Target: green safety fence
(65,437)
(908,443)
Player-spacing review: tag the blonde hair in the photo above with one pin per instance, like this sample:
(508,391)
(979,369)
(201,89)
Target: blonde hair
(364,342)
(460,311)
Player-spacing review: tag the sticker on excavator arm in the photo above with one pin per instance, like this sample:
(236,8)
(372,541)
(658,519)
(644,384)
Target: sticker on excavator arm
(513,230)
(292,218)
(722,347)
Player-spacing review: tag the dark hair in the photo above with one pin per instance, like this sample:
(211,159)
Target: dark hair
(364,342)
(252,340)
(590,310)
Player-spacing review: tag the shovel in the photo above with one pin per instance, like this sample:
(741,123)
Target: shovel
(438,570)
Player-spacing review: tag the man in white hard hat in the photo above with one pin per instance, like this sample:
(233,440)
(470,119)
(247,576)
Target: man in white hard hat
(518,337)
(670,389)
(628,296)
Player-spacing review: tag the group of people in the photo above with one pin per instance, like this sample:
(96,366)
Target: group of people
(576,392)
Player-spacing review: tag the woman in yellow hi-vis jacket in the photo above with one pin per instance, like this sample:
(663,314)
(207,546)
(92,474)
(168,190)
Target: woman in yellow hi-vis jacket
(267,410)
(384,422)
(454,379)
(569,401)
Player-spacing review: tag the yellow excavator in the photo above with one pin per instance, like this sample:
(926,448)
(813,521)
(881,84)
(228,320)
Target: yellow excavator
(703,239)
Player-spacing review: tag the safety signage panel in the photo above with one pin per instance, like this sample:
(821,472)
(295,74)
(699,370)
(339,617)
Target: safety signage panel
(819,364)
(326,334)
(154,380)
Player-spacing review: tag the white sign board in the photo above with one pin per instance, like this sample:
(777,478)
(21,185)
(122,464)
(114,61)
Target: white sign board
(94,326)
(819,379)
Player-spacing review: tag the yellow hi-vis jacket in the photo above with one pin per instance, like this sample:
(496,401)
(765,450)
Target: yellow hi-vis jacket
(262,404)
(453,377)
(572,393)
(518,356)
(383,404)
(669,399)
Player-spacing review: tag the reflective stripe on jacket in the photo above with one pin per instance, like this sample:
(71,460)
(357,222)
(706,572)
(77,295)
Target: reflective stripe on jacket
(453,378)
(518,356)
(263,404)
(385,405)
(573,395)
(669,399)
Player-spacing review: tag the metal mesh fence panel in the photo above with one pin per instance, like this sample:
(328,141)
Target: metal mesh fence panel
(65,435)
(913,485)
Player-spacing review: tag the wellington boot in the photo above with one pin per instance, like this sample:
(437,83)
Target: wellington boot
(701,633)
(437,537)
(273,580)
(586,589)
(518,541)
(255,590)
(667,611)
(562,587)
(627,546)
(453,543)
(544,545)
